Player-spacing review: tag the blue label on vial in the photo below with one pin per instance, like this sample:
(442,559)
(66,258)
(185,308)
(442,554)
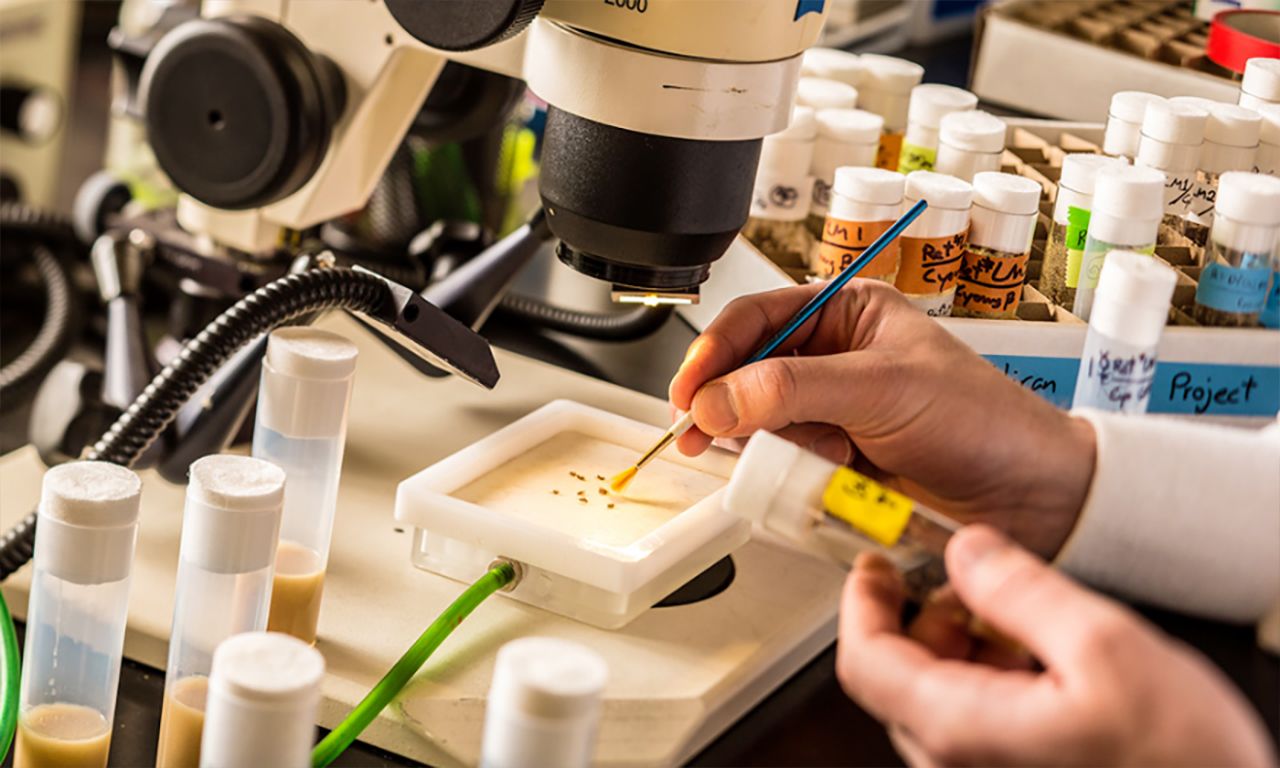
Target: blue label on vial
(1271,313)
(1233,289)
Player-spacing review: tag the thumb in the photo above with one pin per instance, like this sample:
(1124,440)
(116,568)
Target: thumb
(779,391)
(1023,597)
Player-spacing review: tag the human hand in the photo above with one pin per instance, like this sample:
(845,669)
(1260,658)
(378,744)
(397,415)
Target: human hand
(873,378)
(1112,691)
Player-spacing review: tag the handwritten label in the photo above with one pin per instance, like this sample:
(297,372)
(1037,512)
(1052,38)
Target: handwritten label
(1203,199)
(1077,236)
(930,264)
(878,512)
(916,158)
(821,196)
(1178,192)
(1233,289)
(1116,381)
(1271,312)
(844,241)
(1095,253)
(889,151)
(781,199)
(990,284)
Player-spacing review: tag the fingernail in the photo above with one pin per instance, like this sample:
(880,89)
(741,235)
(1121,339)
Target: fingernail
(714,408)
(833,447)
(973,545)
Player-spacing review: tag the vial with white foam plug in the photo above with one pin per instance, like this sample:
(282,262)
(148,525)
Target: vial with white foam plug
(88,519)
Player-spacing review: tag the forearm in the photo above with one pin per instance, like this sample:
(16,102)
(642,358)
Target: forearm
(1181,515)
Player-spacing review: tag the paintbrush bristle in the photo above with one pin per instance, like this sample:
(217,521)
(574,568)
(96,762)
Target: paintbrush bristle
(621,480)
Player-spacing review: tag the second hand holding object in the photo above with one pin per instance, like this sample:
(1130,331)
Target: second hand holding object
(622,479)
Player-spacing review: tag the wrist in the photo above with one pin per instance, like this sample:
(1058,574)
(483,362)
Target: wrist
(1059,485)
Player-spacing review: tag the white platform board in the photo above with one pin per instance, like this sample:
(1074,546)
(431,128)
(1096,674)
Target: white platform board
(679,676)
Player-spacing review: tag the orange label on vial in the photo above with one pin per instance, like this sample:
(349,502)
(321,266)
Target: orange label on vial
(930,264)
(844,241)
(889,151)
(990,285)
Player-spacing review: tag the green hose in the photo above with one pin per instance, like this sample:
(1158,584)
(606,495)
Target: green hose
(10,673)
(364,713)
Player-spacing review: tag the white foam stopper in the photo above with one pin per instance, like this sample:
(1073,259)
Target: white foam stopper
(1270,128)
(1130,106)
(889,73)
(803,126)
(91,494)
(852,126)
(1006,193)
(1124,122)
(231,523)
(1262,79)
(236,483)
(1080,170)
(820,93)
(940,190)
(931,102)
(1129,192)
(1228,124)
(875,186)
(269,667)
(311,353)
(973,131)
(1250,198)
(1174,122)
(832,64)
(1132,300)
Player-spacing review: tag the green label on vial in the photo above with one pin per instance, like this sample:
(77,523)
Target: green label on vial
(1095,253)
(1077,233)
(916,158)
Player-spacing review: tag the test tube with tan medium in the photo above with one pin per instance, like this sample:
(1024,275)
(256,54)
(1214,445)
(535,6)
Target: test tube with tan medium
(302,428)
(230,529)
(88,520)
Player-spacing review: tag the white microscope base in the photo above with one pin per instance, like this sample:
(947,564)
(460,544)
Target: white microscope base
(678,676)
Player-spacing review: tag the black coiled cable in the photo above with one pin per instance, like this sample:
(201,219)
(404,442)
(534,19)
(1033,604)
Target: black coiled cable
(615,326)
(269,307)
(44,235)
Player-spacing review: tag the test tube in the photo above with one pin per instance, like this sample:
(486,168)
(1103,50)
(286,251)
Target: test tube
(933,246)
(264,689)
(885,89)
(845,137)
(1231,137)
(1060,273)
(782,193)
(544,705)
(1124,122)
(819,93)
(302,428)
(1128,202)
(832,509)
(230,529)
(1172,135)
(76,612)
(1267,159)
(1233,286)
(1002,223)
(1118,362)
(1261,83)
(970,143)
(865,202)
(930,103)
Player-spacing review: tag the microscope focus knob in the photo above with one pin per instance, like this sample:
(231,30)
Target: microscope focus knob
(239,113)
(451,25)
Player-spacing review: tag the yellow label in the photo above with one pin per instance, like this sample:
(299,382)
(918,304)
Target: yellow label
(875,511)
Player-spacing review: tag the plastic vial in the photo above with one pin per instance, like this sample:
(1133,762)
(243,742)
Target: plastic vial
(230,529)
(1172,135)
(1128,202)
(544,705)
(1118,363)
(970,143)
(782,193)
(1233,286)
(1064,250)
(933,246)
(302,428)
(885,89)
(831,509)
(832,64)
(1124,122)
(1231,138)
(1261,83)
(846,137)
(264,690)
(88,520)
(1267,159)
(1002,223)
(930,103)
(864,203)
(820,93)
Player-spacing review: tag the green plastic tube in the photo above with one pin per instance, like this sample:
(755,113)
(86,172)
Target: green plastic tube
(10,673)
